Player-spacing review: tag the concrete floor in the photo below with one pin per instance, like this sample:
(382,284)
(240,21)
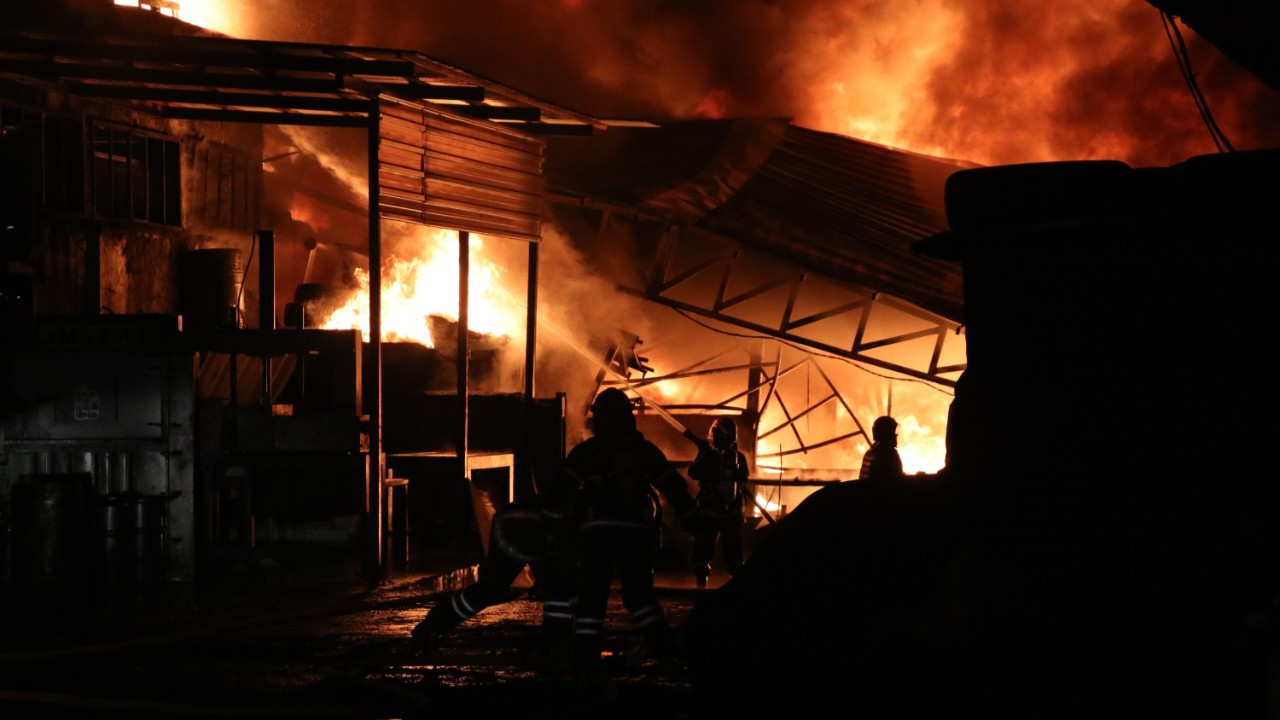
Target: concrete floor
(297,636)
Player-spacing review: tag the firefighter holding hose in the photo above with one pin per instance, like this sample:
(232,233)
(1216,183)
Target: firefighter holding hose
(721,473)
(617,517)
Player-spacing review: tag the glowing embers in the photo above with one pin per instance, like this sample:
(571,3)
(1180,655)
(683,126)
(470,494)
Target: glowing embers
(418,286)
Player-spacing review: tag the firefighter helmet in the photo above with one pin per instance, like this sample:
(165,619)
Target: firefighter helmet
(723,433)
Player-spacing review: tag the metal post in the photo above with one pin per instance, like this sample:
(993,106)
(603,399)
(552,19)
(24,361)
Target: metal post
(373,483)
(531,322)
(266,299)
(266,279)
(755,378)
(464,368)
(528,482)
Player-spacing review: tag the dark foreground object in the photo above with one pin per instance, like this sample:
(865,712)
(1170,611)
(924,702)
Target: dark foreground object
(1103,542)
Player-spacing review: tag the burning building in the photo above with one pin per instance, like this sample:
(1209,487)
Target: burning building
(749,301)
(264,289)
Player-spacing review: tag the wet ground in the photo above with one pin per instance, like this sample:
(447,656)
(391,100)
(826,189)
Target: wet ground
(276,640)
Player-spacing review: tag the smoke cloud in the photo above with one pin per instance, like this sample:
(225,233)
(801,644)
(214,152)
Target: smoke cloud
(993,82)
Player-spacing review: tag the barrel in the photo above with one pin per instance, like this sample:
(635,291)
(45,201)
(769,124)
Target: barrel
(113,533)
(130,531)
(50,530)
(209,288)
(150,528)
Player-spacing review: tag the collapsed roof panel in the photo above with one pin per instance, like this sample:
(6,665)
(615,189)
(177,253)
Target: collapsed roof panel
(848,208)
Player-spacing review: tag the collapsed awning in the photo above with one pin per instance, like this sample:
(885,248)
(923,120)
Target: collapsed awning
(849,208)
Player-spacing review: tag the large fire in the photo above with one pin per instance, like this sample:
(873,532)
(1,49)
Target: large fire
(216,15)
(416,287)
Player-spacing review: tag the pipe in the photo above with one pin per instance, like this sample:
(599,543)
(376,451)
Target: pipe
(530,354)
(531,321)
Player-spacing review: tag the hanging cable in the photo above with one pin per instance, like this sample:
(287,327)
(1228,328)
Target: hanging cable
(1183,58)
(253,244)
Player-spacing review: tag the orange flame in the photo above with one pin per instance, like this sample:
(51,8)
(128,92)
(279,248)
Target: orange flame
(209,14)
(415,288)
(763,502)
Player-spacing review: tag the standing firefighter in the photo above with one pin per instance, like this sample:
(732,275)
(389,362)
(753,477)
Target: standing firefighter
(721,473)
(618,516)
(881,462)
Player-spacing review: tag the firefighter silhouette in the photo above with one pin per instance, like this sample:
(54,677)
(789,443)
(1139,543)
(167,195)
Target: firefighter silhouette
(882,462)
(528,532)
(721,473)
(617,516)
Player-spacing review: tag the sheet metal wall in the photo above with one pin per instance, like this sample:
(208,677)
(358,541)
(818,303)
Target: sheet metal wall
(447,172)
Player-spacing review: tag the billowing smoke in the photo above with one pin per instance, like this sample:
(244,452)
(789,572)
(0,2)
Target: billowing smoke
(994,82)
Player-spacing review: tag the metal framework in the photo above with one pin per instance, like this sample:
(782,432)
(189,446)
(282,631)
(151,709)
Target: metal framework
(233,80)
(764,378)
(714,277)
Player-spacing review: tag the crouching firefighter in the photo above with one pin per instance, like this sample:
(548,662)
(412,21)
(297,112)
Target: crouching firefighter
(528,532)
(617,518)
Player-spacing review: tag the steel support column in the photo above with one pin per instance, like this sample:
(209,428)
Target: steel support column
(464,367)
(373,483)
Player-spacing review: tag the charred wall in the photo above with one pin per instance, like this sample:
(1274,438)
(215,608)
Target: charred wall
(117,195)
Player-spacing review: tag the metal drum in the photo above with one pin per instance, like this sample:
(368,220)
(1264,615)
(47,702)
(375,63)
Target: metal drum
(113,529)
(130,531)
(150,518)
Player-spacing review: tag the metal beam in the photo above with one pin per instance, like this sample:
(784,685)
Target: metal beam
(463,352)
(791,419)
(762,275)
(427,91)
(373,528)
(220,98)
(799,340)
(807,448)
(499,112)
(265,118)
(178,53)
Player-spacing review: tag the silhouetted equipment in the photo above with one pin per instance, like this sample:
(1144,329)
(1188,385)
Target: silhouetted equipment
(16,301)
(16,194)
(16,208)
(209,288)
(96,406)
(312,302)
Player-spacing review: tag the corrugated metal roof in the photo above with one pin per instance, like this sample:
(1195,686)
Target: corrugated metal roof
(848,208)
